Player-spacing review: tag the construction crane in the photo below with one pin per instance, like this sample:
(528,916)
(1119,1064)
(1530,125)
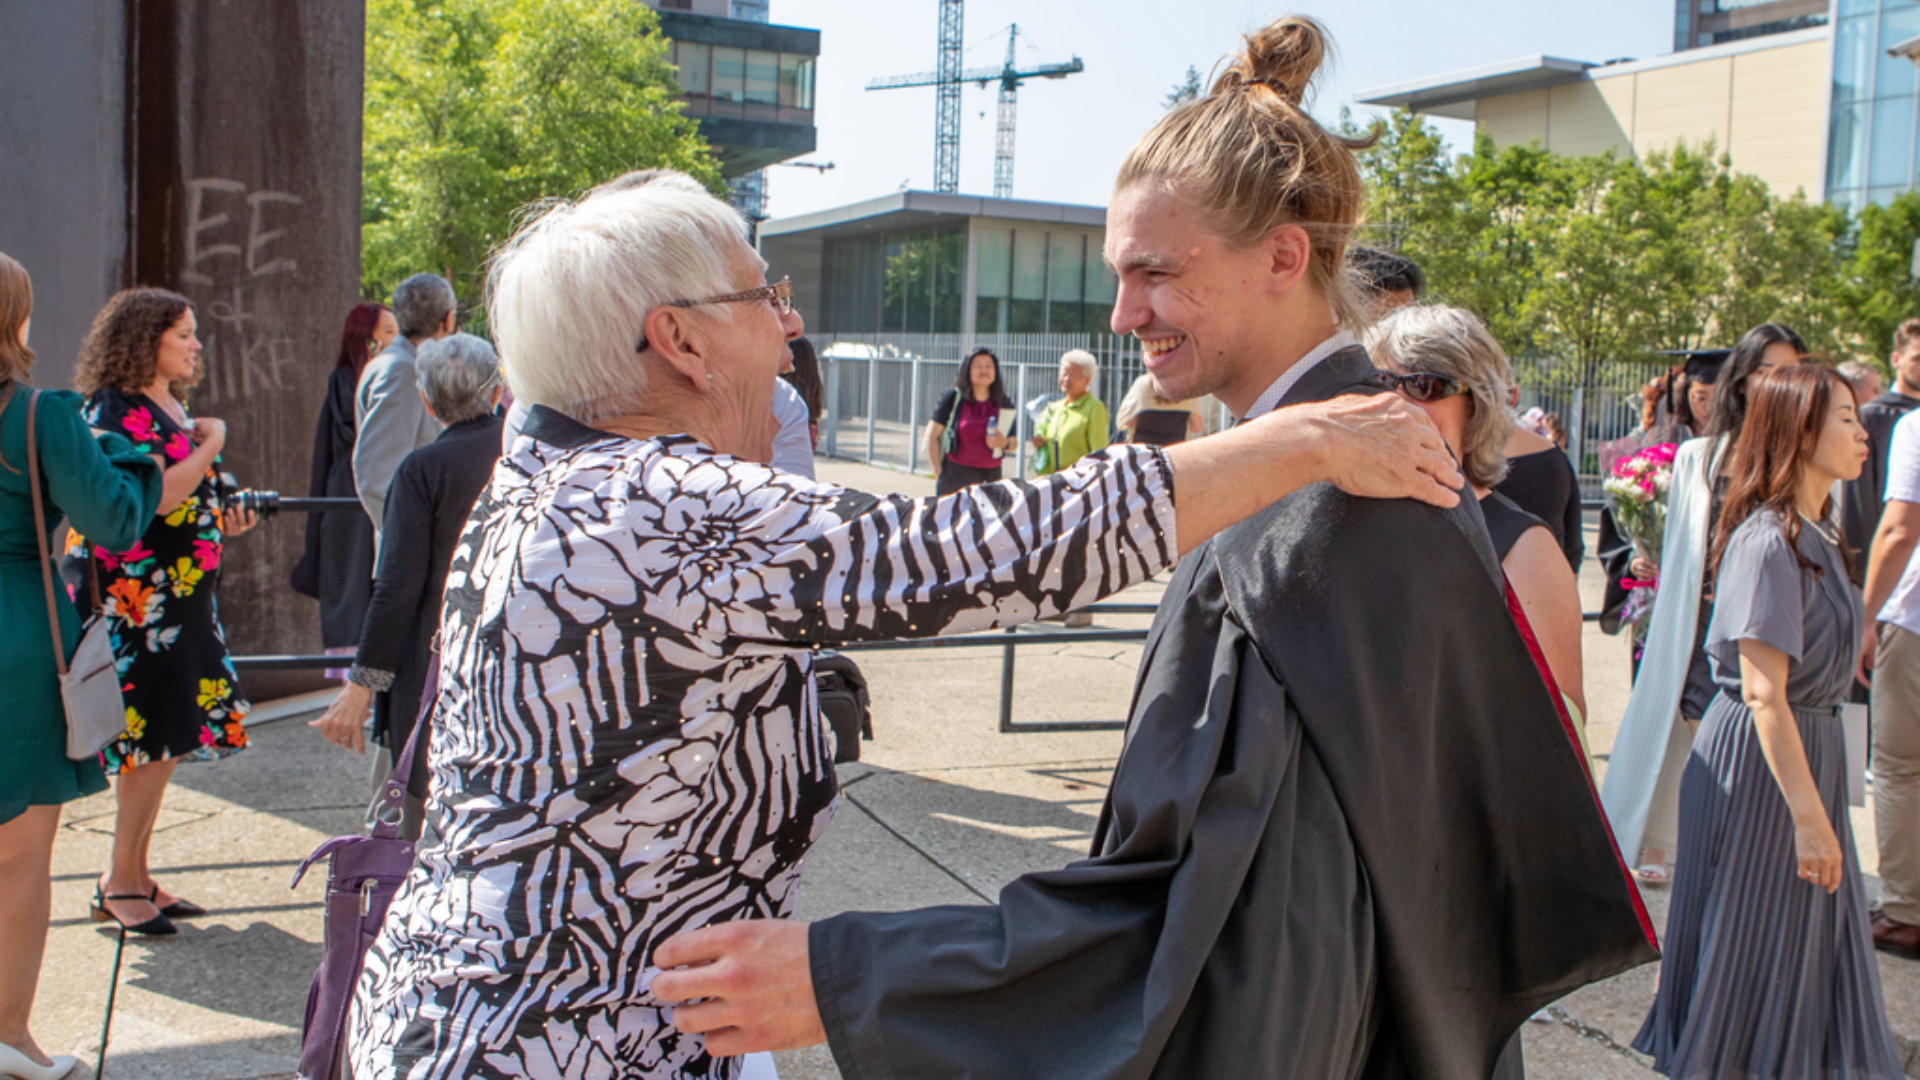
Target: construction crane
(947,81)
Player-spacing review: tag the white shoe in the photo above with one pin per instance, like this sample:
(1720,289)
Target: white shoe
(19,1066)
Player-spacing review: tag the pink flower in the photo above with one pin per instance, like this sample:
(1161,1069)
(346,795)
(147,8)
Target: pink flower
(179,446)
(206,553)
(139,424)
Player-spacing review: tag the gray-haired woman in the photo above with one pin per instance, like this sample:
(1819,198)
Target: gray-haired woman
(1444,360)
(626,742)
(432,493)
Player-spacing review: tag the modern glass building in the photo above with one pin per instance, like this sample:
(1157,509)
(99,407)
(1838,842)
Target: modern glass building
(1700,23)
(926,263)
(1870,134)
(748,83)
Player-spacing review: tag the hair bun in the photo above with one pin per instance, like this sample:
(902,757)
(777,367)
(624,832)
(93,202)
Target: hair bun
(1283,57)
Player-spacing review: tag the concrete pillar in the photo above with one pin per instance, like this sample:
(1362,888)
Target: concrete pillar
(212,148)
(244,124)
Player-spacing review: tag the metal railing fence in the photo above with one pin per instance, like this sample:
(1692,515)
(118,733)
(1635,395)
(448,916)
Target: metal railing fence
(881,389)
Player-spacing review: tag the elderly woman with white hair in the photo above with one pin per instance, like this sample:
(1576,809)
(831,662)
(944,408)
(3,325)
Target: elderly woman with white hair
(626,742)
(1076,425)
(433,491)
(1444,360)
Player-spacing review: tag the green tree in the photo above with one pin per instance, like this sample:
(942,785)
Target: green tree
(1188,89)
(1878,290)
(476,109)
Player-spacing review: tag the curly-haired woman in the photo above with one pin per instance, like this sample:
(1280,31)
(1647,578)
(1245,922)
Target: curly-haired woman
(182,698)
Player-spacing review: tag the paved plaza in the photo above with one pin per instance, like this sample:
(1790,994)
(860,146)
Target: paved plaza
(944,809)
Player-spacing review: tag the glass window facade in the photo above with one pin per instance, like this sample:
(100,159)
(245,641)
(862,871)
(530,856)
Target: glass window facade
(1871,137)
(752,84)
(1036,280)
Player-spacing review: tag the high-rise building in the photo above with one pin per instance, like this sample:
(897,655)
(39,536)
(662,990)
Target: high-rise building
(1699,23)
(1870,133)
(749,84)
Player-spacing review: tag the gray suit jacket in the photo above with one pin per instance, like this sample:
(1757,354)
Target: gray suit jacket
(392,422)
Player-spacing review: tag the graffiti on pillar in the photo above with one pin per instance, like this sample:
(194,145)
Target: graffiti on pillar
(235,238)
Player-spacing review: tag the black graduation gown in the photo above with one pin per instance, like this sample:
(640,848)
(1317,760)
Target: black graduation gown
(337,566)
(1349,836)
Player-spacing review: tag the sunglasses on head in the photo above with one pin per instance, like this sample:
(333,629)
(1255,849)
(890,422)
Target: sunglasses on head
(1422,387)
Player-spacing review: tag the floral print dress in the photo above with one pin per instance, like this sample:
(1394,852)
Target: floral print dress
(181,694)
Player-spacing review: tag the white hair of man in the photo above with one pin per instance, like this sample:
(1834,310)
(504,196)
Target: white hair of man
(456,374)
(567,294)
(1433,339)
(1084,361)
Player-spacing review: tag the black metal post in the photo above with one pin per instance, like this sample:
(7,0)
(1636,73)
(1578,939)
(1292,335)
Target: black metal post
(1006,683)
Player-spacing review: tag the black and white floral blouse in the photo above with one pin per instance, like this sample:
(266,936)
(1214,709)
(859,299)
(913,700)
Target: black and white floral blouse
(626,743)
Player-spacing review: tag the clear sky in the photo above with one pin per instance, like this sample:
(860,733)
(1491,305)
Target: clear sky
(1073,132)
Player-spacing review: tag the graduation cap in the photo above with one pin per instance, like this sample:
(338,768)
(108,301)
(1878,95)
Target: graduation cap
(1701,365)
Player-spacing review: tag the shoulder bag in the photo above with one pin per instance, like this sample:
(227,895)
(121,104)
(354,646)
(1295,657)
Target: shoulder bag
(363,874)
(90,684)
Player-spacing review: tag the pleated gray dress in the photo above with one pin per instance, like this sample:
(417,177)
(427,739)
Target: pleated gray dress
(1765,974)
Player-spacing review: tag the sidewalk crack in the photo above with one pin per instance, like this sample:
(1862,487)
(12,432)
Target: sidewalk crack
(922,852)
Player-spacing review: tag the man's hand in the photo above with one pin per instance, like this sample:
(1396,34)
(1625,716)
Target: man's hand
(751,981)
(1380,447)
(344,722)
(1869,647)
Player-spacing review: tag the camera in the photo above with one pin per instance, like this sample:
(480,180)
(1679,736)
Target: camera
(263,503)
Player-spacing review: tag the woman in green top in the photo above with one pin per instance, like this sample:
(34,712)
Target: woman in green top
(1071,429)
(110,490)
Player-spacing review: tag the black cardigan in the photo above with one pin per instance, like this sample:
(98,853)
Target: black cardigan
(427,509)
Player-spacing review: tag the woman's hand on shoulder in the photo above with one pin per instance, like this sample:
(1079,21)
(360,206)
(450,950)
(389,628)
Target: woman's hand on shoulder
(1379,447)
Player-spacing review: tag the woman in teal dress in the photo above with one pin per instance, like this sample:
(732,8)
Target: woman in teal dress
(183,700)
(111,490)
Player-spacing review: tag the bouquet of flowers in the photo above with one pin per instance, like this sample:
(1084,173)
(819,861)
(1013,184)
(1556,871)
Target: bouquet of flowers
(1636,491)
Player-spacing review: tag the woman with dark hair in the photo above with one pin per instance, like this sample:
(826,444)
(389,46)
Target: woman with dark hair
(108,488)
(137,363)
(1769,968)
(964,440)
(803,374)
(1675,686)
(337,566)
(1762,349)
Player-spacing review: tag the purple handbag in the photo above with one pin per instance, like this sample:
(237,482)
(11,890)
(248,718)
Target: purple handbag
(363,874)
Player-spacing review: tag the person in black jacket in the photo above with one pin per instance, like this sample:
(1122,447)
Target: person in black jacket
(427,507)
(337,566)
(1861,498)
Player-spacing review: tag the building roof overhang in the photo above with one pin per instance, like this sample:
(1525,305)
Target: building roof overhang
(906,210)
(1455,93)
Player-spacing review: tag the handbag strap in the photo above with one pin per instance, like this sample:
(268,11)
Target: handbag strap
(40,532)
(386,816)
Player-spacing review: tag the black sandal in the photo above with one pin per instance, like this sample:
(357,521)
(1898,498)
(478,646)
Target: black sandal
(158,926)
(179,909)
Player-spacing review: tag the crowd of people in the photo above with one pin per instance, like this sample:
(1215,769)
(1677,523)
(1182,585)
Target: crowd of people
(592,571)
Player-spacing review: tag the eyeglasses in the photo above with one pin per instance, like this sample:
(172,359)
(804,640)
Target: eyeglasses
(780,294)
(1423,387)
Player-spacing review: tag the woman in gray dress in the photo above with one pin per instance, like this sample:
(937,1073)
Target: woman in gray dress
(1769,966)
